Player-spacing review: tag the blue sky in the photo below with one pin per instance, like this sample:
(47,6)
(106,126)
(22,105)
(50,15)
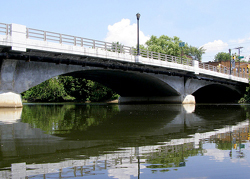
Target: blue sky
(215,24)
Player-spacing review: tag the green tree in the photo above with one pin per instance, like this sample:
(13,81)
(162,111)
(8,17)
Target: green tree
(117,47)
(246,98)
(170,46)
(222,57)
(195,52)
(49,90)
(164,44)
(69,88)
(75,87)
(98,92)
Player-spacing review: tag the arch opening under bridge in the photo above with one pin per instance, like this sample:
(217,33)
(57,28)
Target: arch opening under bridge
(216,93)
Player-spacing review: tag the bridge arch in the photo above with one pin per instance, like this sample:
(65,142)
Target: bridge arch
(128,83)
(216,93)
(18,76)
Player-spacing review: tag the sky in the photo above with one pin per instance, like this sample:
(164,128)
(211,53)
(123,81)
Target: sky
(216,25)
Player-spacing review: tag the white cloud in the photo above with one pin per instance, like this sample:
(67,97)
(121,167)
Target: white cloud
(240,41)
(125,33)
(218,155)
(215,46)
(125,171)
(212,48)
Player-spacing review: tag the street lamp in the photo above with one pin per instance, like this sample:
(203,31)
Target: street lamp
(138,47)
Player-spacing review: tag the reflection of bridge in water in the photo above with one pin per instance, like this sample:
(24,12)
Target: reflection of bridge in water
(13,140)
(128,158)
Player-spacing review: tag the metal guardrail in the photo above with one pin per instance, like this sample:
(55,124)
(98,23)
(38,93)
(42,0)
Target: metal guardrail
(114,47)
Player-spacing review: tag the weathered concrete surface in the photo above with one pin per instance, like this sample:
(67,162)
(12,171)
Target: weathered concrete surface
(17,76)
(10,100)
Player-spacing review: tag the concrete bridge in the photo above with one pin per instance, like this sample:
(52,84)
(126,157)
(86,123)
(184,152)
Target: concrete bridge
(30,56)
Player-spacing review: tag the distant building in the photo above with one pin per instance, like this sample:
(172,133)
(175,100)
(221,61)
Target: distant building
(243,68)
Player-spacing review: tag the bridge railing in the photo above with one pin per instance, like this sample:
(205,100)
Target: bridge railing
(165,57)
(90,43)
(5,29)
(224,70)
(113,47)
(77,41)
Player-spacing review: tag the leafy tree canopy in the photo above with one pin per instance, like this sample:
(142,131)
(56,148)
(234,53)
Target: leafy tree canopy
(222,57)
(50,90)
(68,88)
(170,46)
(116,47)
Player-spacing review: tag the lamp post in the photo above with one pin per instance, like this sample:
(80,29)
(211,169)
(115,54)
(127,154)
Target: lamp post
(138,47)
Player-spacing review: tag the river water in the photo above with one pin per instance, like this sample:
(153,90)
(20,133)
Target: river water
(125,141)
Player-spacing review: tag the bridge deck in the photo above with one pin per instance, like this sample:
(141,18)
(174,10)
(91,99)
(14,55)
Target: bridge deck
(22,39)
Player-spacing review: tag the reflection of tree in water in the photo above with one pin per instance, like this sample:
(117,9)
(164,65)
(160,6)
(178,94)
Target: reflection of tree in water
(45,117)
(106,130)
(61,118)
(82,117)
(172,156)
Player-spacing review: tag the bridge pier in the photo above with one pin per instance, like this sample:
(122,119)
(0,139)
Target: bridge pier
(185,99)
(17,76)
(189,99)
(10,99)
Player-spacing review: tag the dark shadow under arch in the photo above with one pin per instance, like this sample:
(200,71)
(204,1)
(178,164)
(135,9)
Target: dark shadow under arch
(216,94)
(128,84)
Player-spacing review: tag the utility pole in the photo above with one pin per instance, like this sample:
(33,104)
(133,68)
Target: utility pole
(239,57)
(230,61)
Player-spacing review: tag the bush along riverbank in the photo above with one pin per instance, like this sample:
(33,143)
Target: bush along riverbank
(68,88)
(246,98)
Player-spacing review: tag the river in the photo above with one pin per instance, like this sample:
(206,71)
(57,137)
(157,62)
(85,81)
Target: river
(125,141)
